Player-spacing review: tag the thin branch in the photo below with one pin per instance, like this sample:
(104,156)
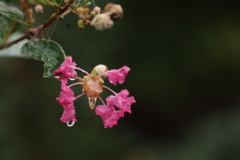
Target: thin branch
(41,27)
(76,11)
(27,11)
(56,15)
(9,31)
(27,36)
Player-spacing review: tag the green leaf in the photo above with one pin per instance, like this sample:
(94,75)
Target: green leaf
(4,27)
(84,2)
(57,2)
(41,2)
(48,51)
(81,3)
(12,13)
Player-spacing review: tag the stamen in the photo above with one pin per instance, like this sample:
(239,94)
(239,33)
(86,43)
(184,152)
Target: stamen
(110,89)
(102,100)
(79,96)
(75,84)
(82,70)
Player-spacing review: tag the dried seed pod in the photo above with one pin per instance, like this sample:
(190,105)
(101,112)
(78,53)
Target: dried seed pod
(102,22)
(115,10)
(83,10)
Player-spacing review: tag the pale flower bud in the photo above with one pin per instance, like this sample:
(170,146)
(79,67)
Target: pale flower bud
(39,9)
(102,22)
(98,70)
(97,9)
(101,68)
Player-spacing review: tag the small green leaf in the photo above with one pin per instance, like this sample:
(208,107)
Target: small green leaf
(4,27)
(84,2)
(81,3)
(12,13)
(48,51)
(57,2)
(41,2)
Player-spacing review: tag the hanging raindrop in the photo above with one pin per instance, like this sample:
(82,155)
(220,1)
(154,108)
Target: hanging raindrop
(92,102)
(70,124)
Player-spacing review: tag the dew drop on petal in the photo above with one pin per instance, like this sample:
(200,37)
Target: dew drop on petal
(72,79)
(70,124)
(57,77)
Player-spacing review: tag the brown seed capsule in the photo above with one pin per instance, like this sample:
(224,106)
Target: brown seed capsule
(30,12)
(102,22)
(83,10)
(115,10)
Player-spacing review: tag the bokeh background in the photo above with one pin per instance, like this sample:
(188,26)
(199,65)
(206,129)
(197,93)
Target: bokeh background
(185,76)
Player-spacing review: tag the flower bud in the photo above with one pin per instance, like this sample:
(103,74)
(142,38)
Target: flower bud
(102,22)
(30,12)
(97,9)
(39,9)
(83,10)
(92,13)
(80,24)
(99,69)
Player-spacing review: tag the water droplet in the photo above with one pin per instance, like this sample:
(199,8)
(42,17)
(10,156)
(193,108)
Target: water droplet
(70,123)
(92,102)
(57,77)
(72,78)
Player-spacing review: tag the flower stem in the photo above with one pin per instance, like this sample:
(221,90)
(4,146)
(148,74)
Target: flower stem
(110,89)
(102,100)
(82,70)
(75,84)
(79,96)
(104,73)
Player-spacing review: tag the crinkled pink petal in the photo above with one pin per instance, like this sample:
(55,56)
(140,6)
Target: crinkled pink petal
(108,114)
(66,99)
(68,114)
(121,101)
(118,75)
(66,70)
(66,95)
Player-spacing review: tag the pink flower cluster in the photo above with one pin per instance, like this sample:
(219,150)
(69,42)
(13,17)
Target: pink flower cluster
(116,105)
(109,114)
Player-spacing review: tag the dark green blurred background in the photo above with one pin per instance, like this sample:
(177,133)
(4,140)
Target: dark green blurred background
(185,73)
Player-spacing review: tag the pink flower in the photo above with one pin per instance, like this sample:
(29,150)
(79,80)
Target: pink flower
(66,70)
(68,114)
(66,100)
(92,87)
(109,115)
(118,75)
(121,101)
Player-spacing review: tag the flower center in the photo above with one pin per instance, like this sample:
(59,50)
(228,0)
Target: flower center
(92,87)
